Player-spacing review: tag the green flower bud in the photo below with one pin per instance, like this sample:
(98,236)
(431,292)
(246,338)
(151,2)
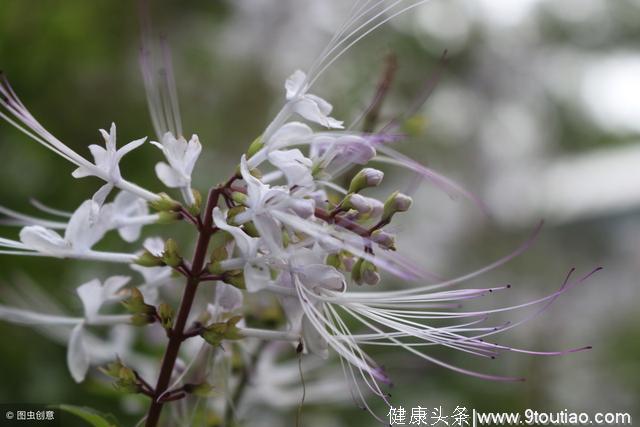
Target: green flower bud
(171,255)
(168,217)
(164,203)
(142,319)
(231,214)
(234,278)
(356,273)
(127,381)
(201,390)
(195,208)
(334,261)
(255,146)
(215,333)
(250,229)
(397,202)
(367,177)
(384,239)
(166,314)
(135,304)
(215,268)
(124,387)
(357,202)
(239,198)
(147,259)
(112,369)
(369,273)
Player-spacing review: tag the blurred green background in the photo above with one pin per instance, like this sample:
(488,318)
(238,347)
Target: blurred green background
(526,105)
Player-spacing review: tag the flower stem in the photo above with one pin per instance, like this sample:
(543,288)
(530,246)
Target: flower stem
(177,335)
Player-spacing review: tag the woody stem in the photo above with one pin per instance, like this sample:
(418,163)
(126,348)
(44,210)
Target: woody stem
(177,334)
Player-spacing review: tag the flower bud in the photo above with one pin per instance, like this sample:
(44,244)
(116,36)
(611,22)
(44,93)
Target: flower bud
(231,214)
(384,239)
(164,203)
(166,314)
(112,369)
(215,333)
(334,261)
(171,255)
(255,146)
(135,304)
(235,279)
(126,380)
(356,273)
(304,208)
(397,202)
(142,319)
(239,198)
(147,259)
(250,229)
(200,390)
(168,217)
(197,205)
(369,273)
(360,203)
(215,268)
(367,177)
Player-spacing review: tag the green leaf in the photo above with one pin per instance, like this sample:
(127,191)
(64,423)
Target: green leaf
(93,417)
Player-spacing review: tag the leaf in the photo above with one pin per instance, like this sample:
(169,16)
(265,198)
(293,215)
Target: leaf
(91,416)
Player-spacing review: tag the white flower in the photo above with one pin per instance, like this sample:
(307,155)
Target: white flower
(295,167)
(256,273)
(182,157)
(106,160)
(86,227)
(307,269)
(92,294)
(129,213)
(277,382)
(340,151)
(311,107)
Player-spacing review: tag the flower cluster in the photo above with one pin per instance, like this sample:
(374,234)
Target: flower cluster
(281,228)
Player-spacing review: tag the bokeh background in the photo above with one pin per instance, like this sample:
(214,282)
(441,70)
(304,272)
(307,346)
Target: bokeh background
(537,112)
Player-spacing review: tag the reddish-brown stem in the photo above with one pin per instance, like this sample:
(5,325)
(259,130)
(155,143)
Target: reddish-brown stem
(177,334)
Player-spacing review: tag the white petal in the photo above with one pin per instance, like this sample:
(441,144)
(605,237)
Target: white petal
(130,147)
(322,276)
(256,277)
(81,172)
(113,284)
(92,298)
(295,166)
(291,133)
(99,155)
(294,85)
(245,243)
(314,343)
(311,111)
(194,148)
(255,187)
(86,226)
(270,232)
(44,240)
(77,355)
(101,195)
(169,176)
(155,245)
(228,297)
